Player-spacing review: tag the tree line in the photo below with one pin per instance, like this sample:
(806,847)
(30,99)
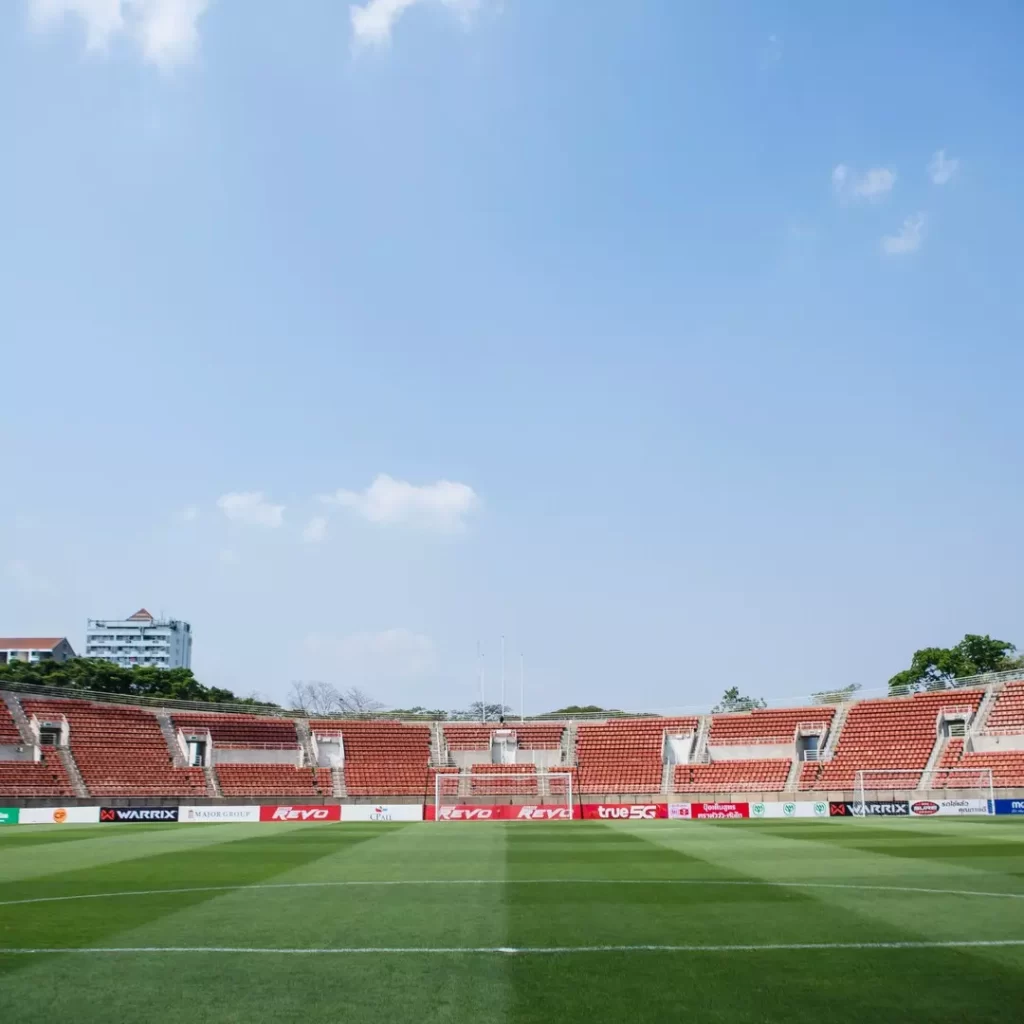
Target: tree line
(931,668)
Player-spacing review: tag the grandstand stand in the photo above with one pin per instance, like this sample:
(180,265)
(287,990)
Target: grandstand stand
(764,725)
(381,758)
(35,778)
(120,751)
(895,732)
(9,734)
(240,730)
(624,755)
(733,776)
(517,779)
(545,736)
(273,780)
(1007,715)
(1007,767)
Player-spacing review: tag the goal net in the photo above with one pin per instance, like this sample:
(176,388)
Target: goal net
(945,783)
(538,795)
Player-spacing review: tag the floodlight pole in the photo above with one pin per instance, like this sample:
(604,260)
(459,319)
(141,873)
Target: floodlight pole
(502,712)
(480,672)
(522,690)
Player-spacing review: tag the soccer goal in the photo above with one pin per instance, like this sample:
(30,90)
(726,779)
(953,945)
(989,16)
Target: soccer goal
(952,782)
(538,796)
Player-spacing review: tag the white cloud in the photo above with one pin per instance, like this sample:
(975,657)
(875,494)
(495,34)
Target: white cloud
(166,31)
(316,530)
(373,21)
(388,654)
(909,237)
(443,505)
(942,169)
(26,579)
(227,557)
(190,513)
(771,55)
(251,507)
(872,185)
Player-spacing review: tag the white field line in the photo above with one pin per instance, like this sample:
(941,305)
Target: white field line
(529,950)
(518,881)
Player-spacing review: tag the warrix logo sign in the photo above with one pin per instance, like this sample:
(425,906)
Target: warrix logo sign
(138,814)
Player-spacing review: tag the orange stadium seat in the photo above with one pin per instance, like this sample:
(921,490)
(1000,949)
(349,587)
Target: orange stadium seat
(120,751)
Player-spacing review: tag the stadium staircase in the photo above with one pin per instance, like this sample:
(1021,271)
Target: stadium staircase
(74,775)
(212,782)
(338,782)
(163,717)
(700,753)
(306,742)
(793,777)
(20,719)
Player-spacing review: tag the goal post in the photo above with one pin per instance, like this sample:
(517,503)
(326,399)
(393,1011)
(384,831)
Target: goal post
(531,789)
(950,782)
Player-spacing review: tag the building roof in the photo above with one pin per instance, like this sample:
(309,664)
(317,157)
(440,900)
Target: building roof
(29,643)
(140,614)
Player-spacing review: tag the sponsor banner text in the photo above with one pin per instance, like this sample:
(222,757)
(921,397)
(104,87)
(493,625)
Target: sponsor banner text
(138,814)
(301,812)
(199,814)
(382,812)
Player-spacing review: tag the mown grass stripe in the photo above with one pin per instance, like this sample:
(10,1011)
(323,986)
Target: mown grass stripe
(531,950)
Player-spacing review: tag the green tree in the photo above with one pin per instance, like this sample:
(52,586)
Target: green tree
(477,712)
(104,677)
(732,701)
(937,668)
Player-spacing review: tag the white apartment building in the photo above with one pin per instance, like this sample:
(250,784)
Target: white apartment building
(140,640)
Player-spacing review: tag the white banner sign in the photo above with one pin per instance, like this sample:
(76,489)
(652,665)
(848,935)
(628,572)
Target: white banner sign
(381,812)
(59,816)
(789,809)
(198,814)
(679,811)
(928,808)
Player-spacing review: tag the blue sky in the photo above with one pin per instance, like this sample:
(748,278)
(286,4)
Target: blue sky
(681,343)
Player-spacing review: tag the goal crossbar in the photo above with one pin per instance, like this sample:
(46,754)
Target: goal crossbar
(924,780)
(552,788)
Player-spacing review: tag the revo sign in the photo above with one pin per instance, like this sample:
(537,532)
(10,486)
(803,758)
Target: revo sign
(300,813)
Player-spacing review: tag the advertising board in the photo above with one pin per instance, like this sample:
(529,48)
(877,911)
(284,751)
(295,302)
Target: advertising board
(300,812)
(223,813)
(954,807)
(679,812)
(138,814)
(790,809)
(8,815)
(382,812)
(624,812)
(713,811)
(500,812)
(59,815)
(1010,807)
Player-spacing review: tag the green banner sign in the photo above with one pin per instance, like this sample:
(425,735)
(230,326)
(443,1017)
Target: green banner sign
(8,815)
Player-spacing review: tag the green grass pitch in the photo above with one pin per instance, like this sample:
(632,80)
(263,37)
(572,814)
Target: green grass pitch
(502,922)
